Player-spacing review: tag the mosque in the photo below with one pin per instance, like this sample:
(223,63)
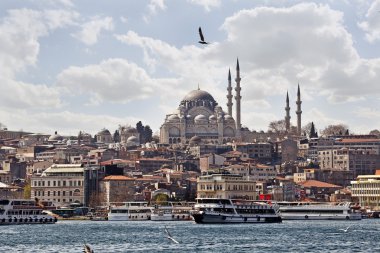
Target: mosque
(200,118)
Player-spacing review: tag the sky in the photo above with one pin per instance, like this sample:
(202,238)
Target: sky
(71,66)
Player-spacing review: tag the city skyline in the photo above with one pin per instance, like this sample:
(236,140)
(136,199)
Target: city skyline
(68,66)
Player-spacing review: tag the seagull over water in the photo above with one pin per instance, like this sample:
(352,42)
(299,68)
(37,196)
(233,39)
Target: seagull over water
(202,41)
(345,230)
(87,249)
(169,236)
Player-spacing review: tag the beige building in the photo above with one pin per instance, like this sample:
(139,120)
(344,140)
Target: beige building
(60,183)
(367,189)
(225,185)
(362,162)
(261,172)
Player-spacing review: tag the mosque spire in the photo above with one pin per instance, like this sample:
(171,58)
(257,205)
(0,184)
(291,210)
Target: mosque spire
(238,97)
(287,116)
(229,94)
(299,111)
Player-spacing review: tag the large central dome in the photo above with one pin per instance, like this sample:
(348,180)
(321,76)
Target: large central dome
(195,95)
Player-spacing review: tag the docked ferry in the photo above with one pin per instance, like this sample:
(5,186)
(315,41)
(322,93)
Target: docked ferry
(214,210)
(317,211)
(23,211)
(171,212)
(127,211)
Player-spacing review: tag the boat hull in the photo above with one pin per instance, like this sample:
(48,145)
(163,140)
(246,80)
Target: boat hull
(27,220)
(140,217)
(321,217)
(220,218)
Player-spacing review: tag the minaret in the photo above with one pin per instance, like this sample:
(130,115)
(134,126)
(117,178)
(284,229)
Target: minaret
(287,117)
(229,95)
(238,97)
(299,111)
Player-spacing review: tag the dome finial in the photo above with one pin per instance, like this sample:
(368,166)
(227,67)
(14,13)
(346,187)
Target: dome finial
(198,86)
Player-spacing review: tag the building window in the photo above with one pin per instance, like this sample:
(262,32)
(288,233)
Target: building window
(54,183)
(48,183)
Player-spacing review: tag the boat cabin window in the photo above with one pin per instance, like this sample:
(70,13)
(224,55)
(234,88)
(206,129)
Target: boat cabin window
(4,202)
(214,201)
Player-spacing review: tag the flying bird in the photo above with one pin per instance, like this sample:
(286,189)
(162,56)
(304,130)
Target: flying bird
(169,236)
(202,41)
(345,230)
(87,249)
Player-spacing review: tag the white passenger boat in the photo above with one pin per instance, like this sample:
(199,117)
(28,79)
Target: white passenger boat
(213,210)
(172,211)
(23,211)
(127,211)
(317,211)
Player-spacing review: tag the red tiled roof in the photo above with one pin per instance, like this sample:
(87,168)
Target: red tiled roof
(318,184)
(358,140)
(115,161)
(117,178)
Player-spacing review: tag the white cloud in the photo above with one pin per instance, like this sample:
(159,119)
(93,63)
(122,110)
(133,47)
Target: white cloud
(124,20)
(153,7)
(114,80)
(26,27)
(366,112)
(91,30)
(206,4)
(371,26)
(16,94)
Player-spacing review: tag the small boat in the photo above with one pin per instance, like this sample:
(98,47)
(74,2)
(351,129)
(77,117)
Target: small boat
(318,211)
(23,211)
(129,211)
(215,210)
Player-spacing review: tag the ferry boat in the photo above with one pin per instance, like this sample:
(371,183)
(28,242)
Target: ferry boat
(23,211)
(127,211)
(317,211)
(171,212)
(214,210)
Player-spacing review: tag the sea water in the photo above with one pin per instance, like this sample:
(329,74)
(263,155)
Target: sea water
(150,236)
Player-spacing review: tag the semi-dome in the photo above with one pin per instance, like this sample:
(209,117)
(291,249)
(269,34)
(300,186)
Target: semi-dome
(195,95)
(132,139)
(195,139)
(173,118)
(200,118)
(55,137)
(212,117)
(228,118)
(104,132)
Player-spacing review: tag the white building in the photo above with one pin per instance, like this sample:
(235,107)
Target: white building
(60,183)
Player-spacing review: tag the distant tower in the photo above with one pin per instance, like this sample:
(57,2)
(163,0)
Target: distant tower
(287,117)
(299,111)
(238,97)
(229,95)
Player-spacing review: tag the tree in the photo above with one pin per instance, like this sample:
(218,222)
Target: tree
(116,136)
(140,130)
(338,129)
(277,126)
(375,132)
(2,126)
(313,133)
(161,198)
(148,133)
(27,190)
